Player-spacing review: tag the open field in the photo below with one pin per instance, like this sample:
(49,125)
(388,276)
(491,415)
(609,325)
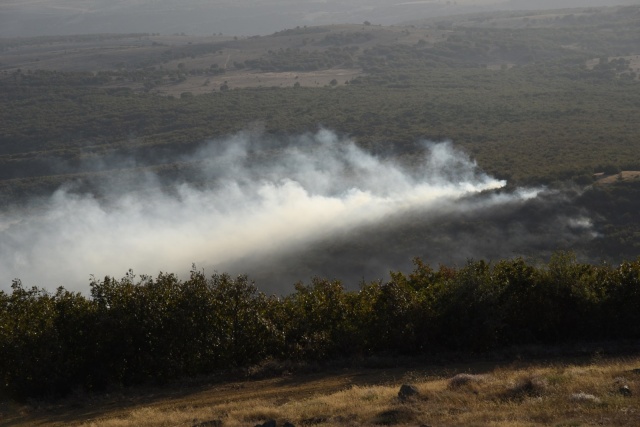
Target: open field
(623,176)
(595,391)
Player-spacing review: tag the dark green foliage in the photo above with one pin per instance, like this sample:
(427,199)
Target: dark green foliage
(394,313)
(530,124)
(315,320)
(46,340)
(165,328)
(141,330)
(302,60)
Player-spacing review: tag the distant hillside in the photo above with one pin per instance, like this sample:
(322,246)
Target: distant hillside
(236,18)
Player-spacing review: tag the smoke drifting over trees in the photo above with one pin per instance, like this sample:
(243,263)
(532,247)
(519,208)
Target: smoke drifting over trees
(283,210)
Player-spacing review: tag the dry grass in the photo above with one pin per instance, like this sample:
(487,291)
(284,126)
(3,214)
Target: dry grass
(559,394)
(465,380)
(624,176)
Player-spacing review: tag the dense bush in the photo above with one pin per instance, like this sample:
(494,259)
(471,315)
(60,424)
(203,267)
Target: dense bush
(141,330)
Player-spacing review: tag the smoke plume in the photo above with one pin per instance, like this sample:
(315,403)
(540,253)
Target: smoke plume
(283,210)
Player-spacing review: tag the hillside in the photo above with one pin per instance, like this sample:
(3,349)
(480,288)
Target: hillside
(545,98)
(534,94)
(563,391)
(239,17)
(361,205)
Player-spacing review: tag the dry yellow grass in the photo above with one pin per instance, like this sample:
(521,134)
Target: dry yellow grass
(503,396)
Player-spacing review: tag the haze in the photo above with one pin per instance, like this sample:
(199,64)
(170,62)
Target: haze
(239,17)
(321,206)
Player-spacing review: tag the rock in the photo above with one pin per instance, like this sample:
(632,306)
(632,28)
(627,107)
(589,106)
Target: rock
(407,391)
(288,424)
(625,390)
(584,397)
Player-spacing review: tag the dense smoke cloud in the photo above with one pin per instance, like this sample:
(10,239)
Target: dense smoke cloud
(283,210)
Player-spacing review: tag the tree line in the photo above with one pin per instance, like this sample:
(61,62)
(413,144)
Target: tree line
(138,330)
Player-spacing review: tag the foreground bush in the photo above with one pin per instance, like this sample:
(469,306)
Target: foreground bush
(142,330)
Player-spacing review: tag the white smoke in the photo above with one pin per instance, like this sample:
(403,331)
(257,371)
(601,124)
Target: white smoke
(264,197)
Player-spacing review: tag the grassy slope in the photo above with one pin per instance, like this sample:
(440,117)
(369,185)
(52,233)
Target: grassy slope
(499,394)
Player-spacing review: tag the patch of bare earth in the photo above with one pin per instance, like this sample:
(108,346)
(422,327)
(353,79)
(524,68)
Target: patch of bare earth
(624,176)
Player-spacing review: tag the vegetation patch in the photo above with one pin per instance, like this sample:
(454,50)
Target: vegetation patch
(154,330)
